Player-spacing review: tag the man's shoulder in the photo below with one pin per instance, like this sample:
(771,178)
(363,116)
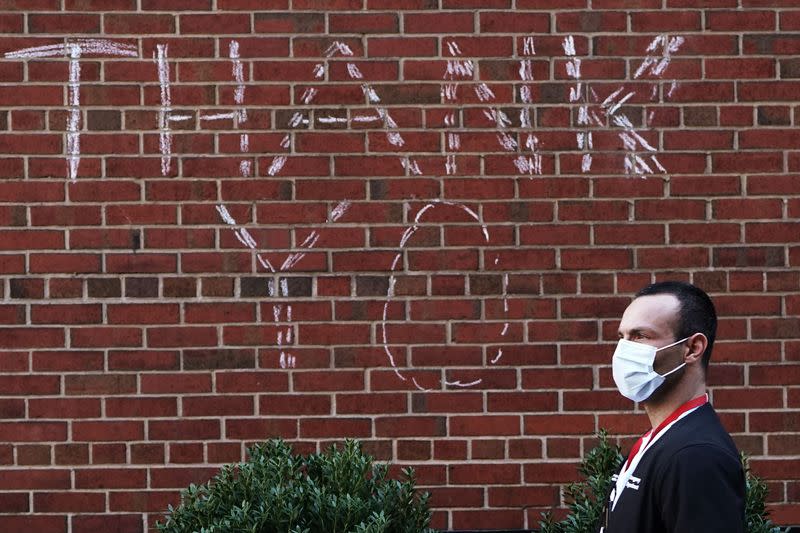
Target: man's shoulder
(699,436)
(700,425)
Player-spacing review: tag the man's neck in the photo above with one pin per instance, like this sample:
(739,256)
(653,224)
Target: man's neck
(659,410)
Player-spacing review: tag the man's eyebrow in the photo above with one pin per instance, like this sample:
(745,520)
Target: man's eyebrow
(635,331)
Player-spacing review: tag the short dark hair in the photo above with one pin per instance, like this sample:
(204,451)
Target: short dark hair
(696,313)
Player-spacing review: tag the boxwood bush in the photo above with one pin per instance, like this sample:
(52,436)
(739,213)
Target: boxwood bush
(597,468)
(345,491)
(275,491)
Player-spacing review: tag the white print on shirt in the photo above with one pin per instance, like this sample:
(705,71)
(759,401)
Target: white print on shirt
(633,483)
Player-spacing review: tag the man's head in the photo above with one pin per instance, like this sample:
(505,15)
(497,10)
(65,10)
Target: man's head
(671,326)
(691,310)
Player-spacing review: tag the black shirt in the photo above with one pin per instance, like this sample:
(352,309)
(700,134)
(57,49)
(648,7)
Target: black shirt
(690,480)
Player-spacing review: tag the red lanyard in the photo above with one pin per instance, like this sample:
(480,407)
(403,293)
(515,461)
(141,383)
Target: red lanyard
(691,404)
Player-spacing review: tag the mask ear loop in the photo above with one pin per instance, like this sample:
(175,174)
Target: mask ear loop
(673,370)
(674,343)
(680,365)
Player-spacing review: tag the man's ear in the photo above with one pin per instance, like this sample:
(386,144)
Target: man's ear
(697,344)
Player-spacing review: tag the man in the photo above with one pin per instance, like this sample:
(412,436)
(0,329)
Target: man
(684,475)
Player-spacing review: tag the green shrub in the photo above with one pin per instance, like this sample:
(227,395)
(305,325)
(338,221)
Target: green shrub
(275,491)
(755,510)
(585,507)
(585,498)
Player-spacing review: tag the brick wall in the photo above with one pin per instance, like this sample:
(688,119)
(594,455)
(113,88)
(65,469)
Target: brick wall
(415,222)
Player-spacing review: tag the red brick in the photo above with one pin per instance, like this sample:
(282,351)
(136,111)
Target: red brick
(577,259)
(224,452)
(15,502)
(673,258)
(745,67)
(261,429)
(66,262)
(140,407)
(450,449)
(66,314)
(107,431)
(52,478)
(178,5)
(590,21)
(470,4)
(413,450)
(99,336)
(160,337)
(29,522)
(363,23)
(100,5)
(143,314)
(12,408)
(111,453)
(438,22)
(597,400)
(147,453)
(771,232)
(630,234)
(39,5)
(729,305)
(563,447)
(129,501)
(703,3)
(11,385)
(550,4)
(69,408)
(304,23)
(782,444)
(789,20)
(13,314)
(219,406)
(523,496)
(110,478)
(186,453)
(559,425)
(251,381)
(775,375)
(64,23)
(484,474)
(33,455)
(138,23)
(485,425)
(402,46)
(280,404)
(577,378)
(747,399)
(175,383)
(704,233)
(399,4)
(91,384)
(211,24)
(505,518)
(33,431)
(400,426)
(142,360)
(197,430)
(488,449)
(336,5)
